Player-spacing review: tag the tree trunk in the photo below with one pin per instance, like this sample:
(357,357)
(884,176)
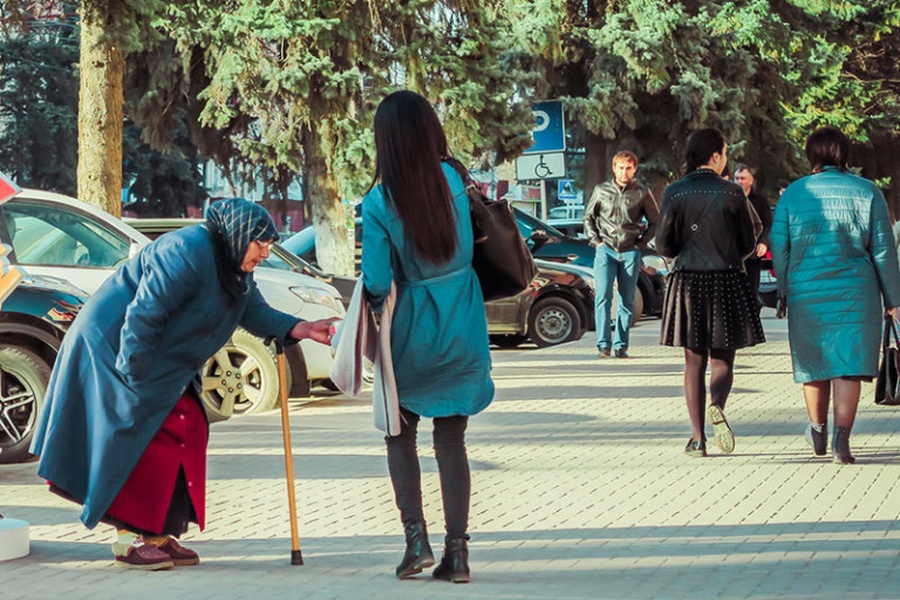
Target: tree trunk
(99,113)
(335,248)
(595,172)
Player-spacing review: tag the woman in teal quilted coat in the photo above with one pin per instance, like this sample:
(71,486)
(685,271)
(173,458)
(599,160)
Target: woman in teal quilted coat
(418,234)
(835,259)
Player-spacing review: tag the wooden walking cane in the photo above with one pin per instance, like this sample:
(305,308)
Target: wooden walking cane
(296,556)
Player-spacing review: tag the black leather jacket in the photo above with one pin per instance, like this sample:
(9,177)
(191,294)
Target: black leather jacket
(724,235)
(613,216)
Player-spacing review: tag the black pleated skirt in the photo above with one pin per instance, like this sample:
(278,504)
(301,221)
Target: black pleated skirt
(710,309)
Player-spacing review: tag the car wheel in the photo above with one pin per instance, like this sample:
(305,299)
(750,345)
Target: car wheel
(553,321)
(23,384)
(508,341)
(241,378)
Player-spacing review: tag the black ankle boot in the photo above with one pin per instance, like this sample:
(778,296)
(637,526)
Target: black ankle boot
(817,437)
(418,551)
(840,446)
(455,562)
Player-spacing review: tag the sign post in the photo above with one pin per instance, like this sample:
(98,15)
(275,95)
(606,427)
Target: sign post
(546,158)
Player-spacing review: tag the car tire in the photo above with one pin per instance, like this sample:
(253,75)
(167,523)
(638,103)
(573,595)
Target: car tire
(241,378)
(23,386)
(508,341)
(553,321)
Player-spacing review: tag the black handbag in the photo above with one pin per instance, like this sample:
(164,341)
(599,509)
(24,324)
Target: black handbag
(887,386)
(501,259)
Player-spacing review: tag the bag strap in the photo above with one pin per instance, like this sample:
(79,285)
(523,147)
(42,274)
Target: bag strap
(696,224)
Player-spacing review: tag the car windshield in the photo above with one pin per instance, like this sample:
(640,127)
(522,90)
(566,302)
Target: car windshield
(528,224)
(42,234)
(301,242)
(285,260)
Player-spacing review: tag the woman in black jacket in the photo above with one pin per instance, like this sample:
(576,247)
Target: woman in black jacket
(707,226)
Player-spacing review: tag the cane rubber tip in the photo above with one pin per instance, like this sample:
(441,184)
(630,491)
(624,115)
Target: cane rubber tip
(296,557)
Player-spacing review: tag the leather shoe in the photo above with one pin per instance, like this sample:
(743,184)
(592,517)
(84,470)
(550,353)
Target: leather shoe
(455,562)
(418,551)
(695,448)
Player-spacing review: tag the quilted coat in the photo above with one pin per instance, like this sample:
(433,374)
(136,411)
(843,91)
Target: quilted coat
(834,257)
(129,355)
(439,339)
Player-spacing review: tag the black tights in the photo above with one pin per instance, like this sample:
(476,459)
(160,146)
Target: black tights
(450,451)
(721,378)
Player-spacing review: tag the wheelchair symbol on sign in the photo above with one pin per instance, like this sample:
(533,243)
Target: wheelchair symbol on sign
(542,169)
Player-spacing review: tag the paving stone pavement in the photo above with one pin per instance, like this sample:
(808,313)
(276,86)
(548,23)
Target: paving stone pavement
(580,490)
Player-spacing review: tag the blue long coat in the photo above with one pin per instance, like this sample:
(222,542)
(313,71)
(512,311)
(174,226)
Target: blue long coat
(439,339)
(131,352)
(835,258)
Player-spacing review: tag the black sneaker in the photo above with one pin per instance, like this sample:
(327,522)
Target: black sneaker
(621,353)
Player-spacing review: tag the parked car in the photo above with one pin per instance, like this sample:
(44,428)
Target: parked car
(549,243)
(279,257)
(56,235)
(566,211)
(573,228)
(557,308)
(33,320)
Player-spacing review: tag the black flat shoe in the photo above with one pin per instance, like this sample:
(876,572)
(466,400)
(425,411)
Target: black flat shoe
(695,448)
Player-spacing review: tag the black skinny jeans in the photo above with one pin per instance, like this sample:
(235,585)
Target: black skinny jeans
(453,465)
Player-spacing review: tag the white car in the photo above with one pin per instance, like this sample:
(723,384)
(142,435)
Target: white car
(52,234)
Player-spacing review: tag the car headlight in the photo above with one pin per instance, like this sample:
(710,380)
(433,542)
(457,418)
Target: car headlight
(319,297)
(655,263)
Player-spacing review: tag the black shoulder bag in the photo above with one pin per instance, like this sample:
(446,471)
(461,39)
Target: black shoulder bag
(887,386)
(501,259)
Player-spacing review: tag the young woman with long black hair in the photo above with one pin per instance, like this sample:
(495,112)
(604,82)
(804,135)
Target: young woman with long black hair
(418,234)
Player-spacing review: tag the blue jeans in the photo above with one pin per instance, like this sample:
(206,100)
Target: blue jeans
(611,267)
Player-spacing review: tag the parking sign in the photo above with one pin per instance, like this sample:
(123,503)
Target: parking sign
(549,131)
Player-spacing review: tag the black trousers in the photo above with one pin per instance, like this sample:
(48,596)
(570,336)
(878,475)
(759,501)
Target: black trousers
(453,466)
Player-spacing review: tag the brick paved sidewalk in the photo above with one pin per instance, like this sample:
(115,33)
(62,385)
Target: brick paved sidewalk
(580,490)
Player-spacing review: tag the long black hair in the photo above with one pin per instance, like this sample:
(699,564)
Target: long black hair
(701,145)
(410,145)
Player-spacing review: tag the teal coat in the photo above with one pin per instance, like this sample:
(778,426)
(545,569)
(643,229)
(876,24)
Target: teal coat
(439,335)
(834,256)
(136,345)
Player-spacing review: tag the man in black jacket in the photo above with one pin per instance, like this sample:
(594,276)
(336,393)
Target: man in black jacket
(743,176)
(613,224)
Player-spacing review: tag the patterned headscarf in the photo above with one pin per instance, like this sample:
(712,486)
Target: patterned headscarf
(233,224)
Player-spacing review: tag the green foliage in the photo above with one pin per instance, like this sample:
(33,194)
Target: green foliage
(38,95)
(280,72)
(38,113)
(643,73)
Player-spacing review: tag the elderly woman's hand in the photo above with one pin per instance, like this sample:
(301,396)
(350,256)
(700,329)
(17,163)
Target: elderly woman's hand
(319,331)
